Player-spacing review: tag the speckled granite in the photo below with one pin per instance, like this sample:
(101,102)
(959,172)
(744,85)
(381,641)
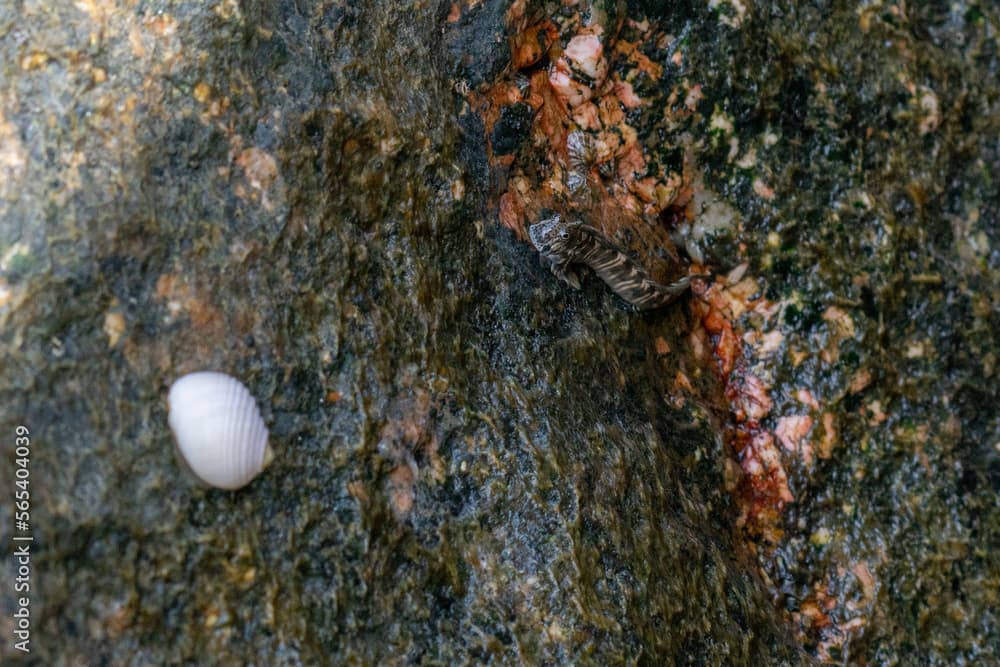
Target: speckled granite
(472,463)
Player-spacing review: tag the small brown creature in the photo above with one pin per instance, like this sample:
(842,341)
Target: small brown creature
(563,244)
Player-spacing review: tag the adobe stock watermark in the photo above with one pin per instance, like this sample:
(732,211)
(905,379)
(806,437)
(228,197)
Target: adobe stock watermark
(22,539)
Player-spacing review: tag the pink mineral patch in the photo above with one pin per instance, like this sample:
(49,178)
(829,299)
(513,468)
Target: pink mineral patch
(565,87)
(587,53)
(792,431)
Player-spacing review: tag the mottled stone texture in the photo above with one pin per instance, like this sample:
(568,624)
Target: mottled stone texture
(473,463)
(875,128)
(470,468)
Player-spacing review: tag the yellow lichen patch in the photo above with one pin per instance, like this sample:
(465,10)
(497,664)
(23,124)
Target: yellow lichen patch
(239,568)
(202,91)
(227,9)
(820,537)
(96,10)
(114,326)
(34,60)
(797,356)
(930,111)
(211,616)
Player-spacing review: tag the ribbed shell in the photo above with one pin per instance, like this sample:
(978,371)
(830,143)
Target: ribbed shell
(218,429)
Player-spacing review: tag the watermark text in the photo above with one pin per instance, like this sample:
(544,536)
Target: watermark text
(22,539)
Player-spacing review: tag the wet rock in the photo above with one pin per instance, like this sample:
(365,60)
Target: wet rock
(511,129)
(472,463)
(470,466)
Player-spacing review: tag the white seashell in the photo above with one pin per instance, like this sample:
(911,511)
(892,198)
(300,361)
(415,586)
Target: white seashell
(220,434)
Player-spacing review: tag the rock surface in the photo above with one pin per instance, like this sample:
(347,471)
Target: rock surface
(468,468)
(473,463)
